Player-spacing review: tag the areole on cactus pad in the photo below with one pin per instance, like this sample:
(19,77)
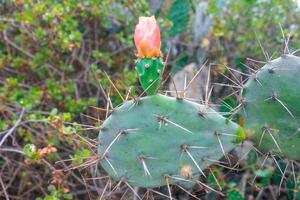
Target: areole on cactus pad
(271,107)
(162,140)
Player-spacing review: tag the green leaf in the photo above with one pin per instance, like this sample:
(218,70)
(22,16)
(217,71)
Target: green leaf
(234,194)
(3,125)
(29,150)
(51,197)
(179,15)
(54,112)
(80,155)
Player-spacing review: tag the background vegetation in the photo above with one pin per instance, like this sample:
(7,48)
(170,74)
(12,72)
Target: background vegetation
(58,60)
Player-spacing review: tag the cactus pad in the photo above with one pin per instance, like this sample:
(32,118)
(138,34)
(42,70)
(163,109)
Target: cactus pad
(149,71)
(160,140)
(272,107)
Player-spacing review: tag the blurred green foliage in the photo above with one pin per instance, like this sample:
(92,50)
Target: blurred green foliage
(53,59)
(239,25)
(179,16)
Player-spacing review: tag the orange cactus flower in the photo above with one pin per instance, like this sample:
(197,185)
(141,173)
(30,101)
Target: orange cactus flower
(147,38)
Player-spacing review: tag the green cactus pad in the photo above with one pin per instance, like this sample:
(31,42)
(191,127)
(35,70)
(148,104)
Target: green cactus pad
(149,71)
(160,140)
(271,109)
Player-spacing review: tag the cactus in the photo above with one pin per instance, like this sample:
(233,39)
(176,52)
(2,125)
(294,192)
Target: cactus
(271,108)
(160,140)
(149,71)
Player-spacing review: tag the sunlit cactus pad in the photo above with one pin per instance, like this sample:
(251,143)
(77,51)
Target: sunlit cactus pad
(272,107)
(149,71)
(160,140)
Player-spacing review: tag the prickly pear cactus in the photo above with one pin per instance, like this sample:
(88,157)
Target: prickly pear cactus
(149,71)
(160,140)
(271,108)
